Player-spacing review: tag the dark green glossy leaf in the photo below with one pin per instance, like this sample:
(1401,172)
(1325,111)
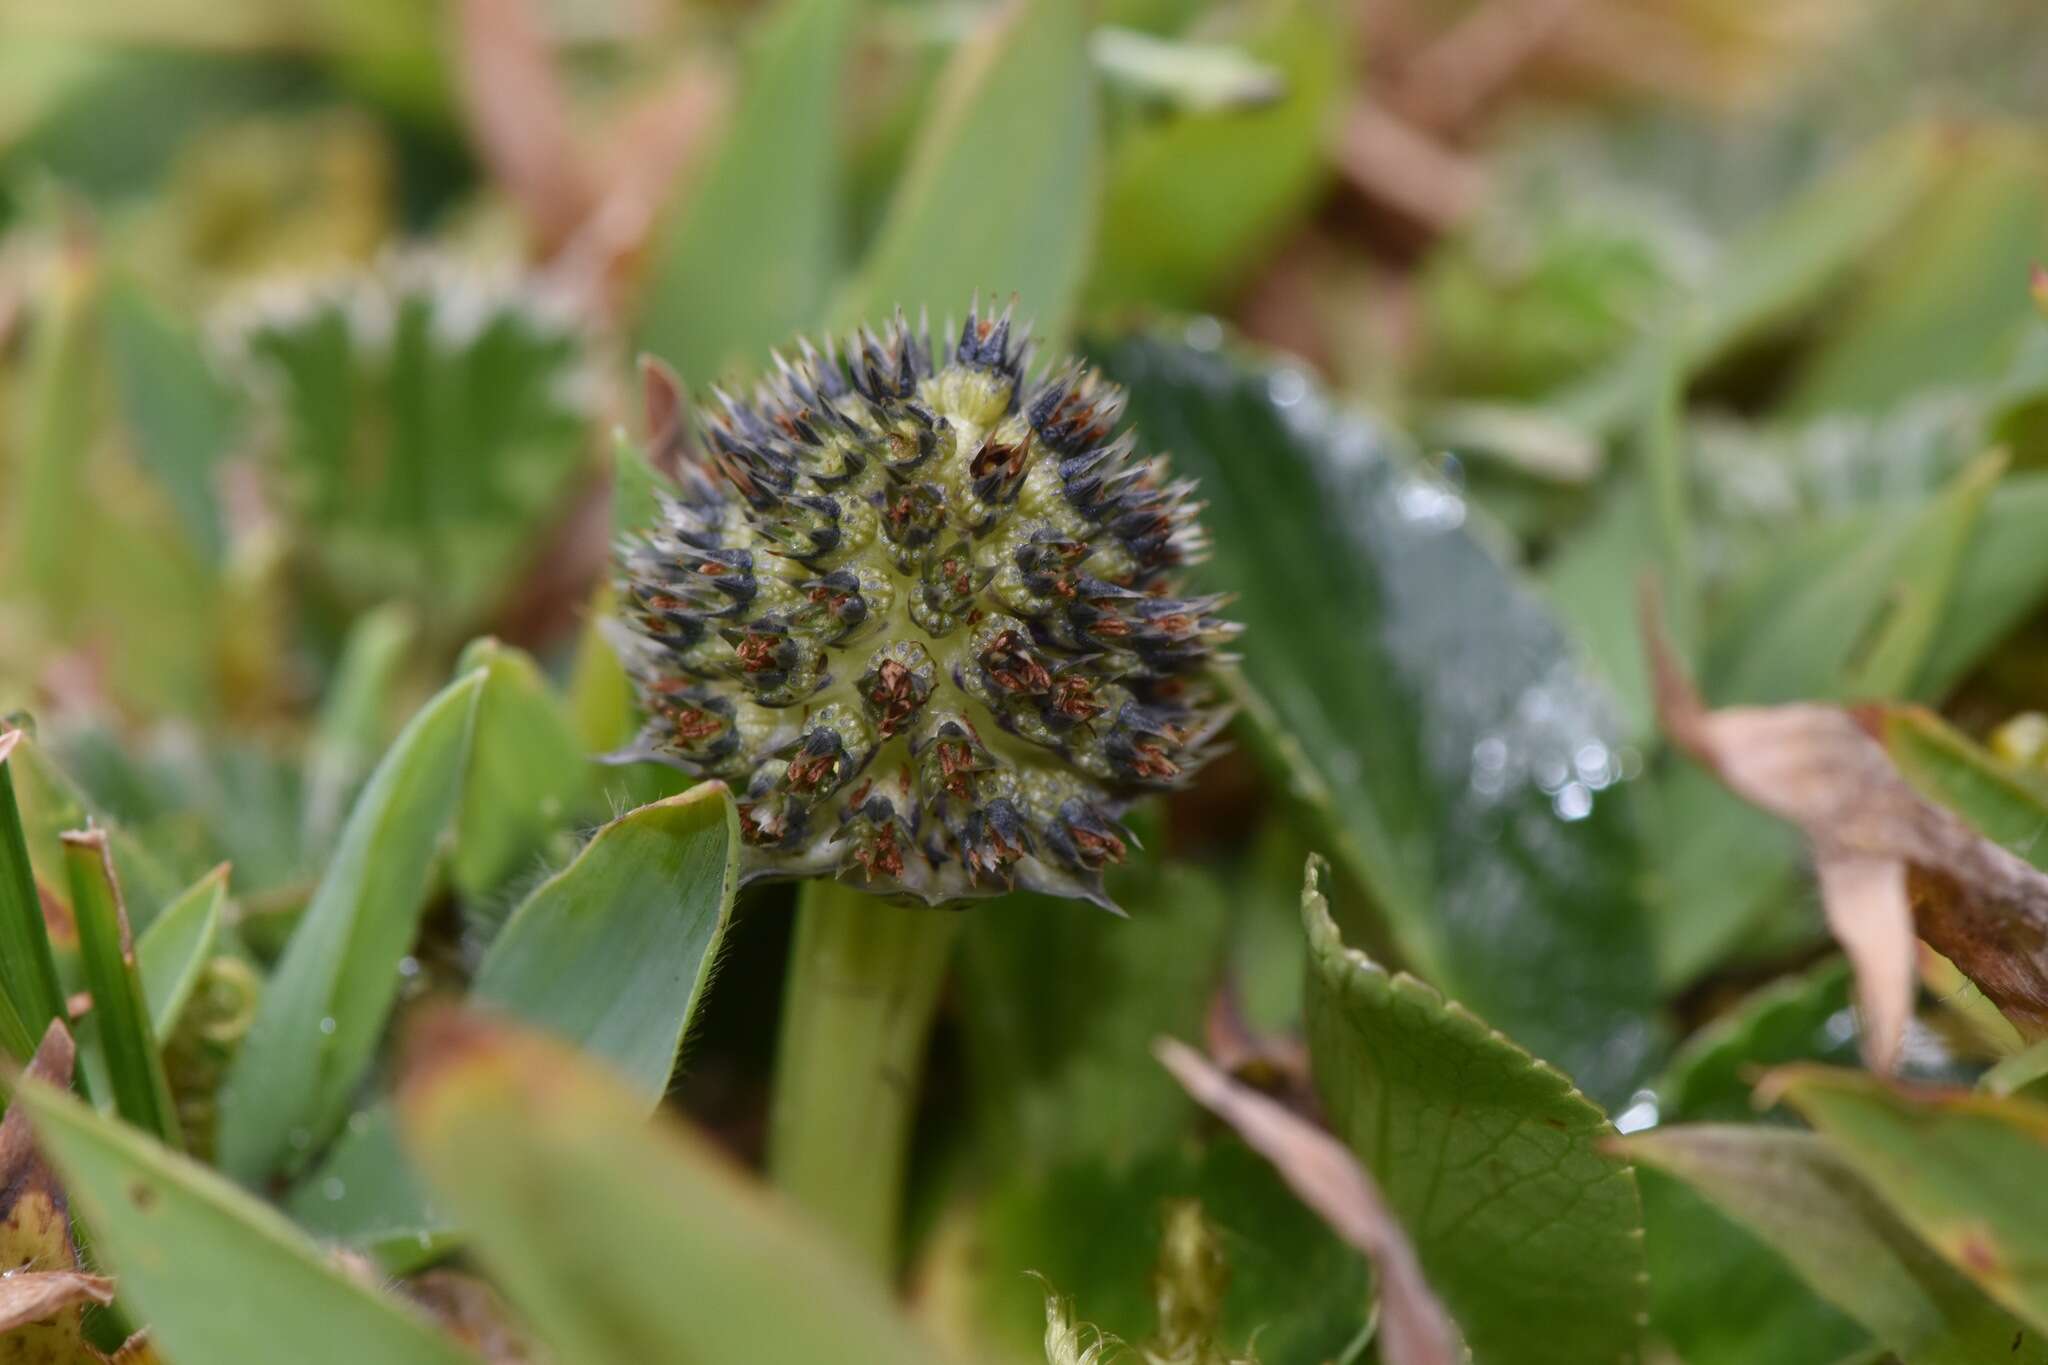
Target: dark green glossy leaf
(327,1002)
(999,193)
(1802,1200)
(219,1276)
(751,252)
(622,1241)
(1427,701)
(1530,1233)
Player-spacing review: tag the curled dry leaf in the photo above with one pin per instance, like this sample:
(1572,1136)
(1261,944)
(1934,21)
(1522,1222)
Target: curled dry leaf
(1891,864)
(1414,1328)
(32,1295)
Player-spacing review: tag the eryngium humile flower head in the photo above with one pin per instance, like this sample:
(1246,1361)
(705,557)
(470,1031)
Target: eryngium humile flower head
(923,615)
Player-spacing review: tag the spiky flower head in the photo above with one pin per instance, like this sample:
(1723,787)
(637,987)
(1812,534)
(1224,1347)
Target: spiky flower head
(923,615)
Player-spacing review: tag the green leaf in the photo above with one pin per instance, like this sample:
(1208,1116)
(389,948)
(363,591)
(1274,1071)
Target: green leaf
(120,1011)
(428,421)
(29,994)
(602,706)
(1642,526)
(1192,196)
(624,1241)
(1700,1261)
(2000,582)
(1956,271)
(2005,803)
(1092,1226)
(1530,1233)
(1777,268)
(613,953)
(1795,1018)
(173,951)
(350,728)
(177,414)
(327,1002)
(1720,1296)
(2020,1074)
(528,777)
(1425,701)
(1800,1198)
(52,801)
(1847,612)
(58,418)
(219,1276)
(1055,1070)
(1968,1172)
(999,194)
(751,253)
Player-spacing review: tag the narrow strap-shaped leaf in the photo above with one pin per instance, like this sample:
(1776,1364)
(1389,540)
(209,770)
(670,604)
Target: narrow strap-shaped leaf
(999,194)
(752,249)
(612,953)
(219,1276)
(29,997)
(528,776)
(173,950)
(106,948)
(326,1004)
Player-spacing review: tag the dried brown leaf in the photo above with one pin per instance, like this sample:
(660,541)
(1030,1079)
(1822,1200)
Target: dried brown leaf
(28,1296)
(43,1297)
(1871,916)
(1414,1329)
(1876,843)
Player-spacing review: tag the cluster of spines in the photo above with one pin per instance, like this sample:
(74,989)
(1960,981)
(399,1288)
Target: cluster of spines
(811,526)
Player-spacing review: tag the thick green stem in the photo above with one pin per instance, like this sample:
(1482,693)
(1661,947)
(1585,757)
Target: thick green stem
(864,980)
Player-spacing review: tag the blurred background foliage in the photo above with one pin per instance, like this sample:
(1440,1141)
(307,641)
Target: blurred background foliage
(316,329)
